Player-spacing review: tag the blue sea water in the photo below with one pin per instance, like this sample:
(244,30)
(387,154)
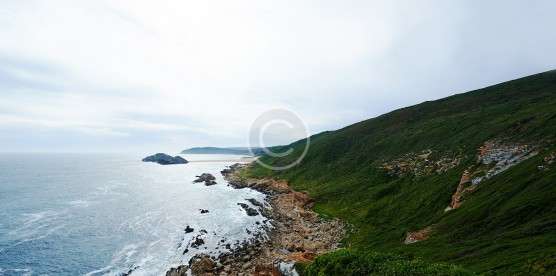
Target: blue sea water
(98,214)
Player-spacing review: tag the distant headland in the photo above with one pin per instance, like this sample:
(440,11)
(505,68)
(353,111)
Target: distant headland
(226,150)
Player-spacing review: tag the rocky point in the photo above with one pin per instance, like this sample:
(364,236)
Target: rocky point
(297,234)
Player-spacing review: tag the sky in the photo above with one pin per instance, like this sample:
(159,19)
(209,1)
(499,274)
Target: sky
(130,76)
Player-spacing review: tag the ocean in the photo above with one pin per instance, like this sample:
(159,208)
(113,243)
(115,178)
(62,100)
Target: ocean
(110,214)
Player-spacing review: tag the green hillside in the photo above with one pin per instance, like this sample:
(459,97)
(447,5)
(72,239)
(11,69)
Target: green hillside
(397,173)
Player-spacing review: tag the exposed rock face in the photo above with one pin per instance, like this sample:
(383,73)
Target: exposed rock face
(464,187)
(250,211)
(165,159)
(548,160)
(207,178)
(417,236)
(424,163)
(493,158)
(499,156)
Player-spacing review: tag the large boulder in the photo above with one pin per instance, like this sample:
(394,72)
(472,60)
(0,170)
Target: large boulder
(207,178)
(202,265)
(255,202)
(165,159)
(250,211)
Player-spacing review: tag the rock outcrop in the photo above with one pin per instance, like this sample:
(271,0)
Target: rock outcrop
(464,187)
(497,156)
(548,161)
(231,169)
(255,202)
(208,178)
(494,157)
(165,159)
(250,211)
(424,163)
(198,241)
(417,236)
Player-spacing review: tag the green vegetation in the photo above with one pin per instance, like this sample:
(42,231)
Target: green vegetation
(508,225)
(347,262)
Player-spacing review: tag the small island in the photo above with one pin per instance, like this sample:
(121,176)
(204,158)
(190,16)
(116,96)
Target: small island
(165,159)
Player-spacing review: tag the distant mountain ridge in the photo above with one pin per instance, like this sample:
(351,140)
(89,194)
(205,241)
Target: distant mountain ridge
(226,150)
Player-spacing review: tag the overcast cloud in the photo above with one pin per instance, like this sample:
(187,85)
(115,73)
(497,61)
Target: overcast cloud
(166,75)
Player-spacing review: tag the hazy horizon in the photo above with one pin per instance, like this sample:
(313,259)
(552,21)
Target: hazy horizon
(132,76)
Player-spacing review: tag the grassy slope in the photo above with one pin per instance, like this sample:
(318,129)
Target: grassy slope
(510,219)
(346,262)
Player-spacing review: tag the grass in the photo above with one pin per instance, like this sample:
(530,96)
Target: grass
(508,223)
(349,262)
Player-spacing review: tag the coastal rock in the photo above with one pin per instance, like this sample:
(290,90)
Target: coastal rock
(165,159)
(202,265)
(177,271)
(130,271)
(208,178)
(204,177)
(250,211)
(197,242)
(270,270)
(210,183)
(255,202)
(231,169)
(225,172)
(266,186)
(302,257)
(294,233)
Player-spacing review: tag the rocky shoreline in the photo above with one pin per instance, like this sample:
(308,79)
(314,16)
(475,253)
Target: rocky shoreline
(297,234)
